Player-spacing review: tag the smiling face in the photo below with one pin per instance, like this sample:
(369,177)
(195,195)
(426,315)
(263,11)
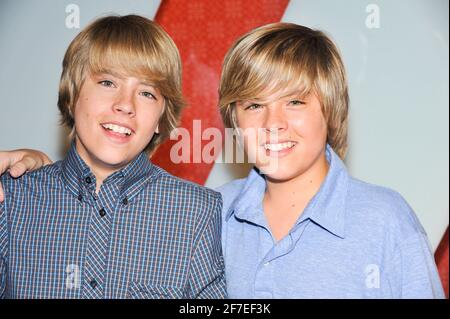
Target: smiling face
(296,136)
(115,119)
(285,58)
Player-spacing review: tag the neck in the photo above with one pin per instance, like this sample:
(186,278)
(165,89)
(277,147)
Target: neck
(100,170)
(298,191)
(100,176)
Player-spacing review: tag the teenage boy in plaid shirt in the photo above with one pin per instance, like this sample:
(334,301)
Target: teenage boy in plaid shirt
(105,222)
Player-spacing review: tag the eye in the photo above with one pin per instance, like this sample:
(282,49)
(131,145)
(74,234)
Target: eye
(107,83)
(149,95)
(253,107)
(296,102)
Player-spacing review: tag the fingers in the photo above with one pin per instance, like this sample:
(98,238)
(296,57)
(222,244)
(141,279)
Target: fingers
(45,159)
(27,163)
(20,161)
(5,162)
(6,158)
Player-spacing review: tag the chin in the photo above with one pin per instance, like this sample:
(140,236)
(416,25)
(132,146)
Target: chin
(281,171)
(114,159)
(281,176)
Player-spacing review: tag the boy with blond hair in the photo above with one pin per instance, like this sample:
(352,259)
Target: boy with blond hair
(105,222)
(299,226)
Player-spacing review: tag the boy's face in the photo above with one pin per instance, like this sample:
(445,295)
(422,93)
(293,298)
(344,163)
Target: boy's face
(115,119)
(295,134)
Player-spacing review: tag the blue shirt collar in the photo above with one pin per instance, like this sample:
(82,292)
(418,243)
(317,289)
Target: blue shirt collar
(326,208)
(76,173)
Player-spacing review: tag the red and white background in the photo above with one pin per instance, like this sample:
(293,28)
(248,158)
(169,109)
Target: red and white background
(396,54)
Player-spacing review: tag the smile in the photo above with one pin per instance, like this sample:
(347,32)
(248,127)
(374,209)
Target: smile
(279,147)
(117,129)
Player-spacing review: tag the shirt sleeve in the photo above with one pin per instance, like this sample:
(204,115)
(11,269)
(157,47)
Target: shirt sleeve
(3,250)
(415,269)
(207,278)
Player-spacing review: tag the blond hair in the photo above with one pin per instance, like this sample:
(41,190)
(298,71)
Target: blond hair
(127,45)
(284,55)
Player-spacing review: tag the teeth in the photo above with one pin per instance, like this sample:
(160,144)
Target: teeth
(279,147)
(117,129)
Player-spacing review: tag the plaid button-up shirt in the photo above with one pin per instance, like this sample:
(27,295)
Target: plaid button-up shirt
(146,234)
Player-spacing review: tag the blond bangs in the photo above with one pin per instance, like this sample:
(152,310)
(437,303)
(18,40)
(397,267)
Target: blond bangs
(124,53)
(275,77)
(124,46)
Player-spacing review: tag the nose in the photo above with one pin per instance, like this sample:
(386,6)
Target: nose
(125,103)
(275,119)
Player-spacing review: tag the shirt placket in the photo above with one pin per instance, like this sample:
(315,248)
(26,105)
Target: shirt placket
(266,270)
(96,263)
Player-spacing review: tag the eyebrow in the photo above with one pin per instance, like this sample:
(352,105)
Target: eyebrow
(117,75)
(291,94)
(147,84)
(297,93)
(111,73)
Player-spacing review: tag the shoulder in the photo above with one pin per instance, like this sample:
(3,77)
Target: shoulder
(185,198)
(387,222)
(48,175)
(188,202)
(382,207)
(230,191)
(183,187)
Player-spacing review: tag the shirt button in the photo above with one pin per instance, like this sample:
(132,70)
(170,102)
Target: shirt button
(93,283)
(102,212)
(80,197)
(125,201)
(88,180)
(267,264)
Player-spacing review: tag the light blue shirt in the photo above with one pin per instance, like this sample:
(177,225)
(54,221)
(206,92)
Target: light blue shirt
(353,240)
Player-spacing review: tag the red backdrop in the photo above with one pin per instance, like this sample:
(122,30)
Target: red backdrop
(203,31)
